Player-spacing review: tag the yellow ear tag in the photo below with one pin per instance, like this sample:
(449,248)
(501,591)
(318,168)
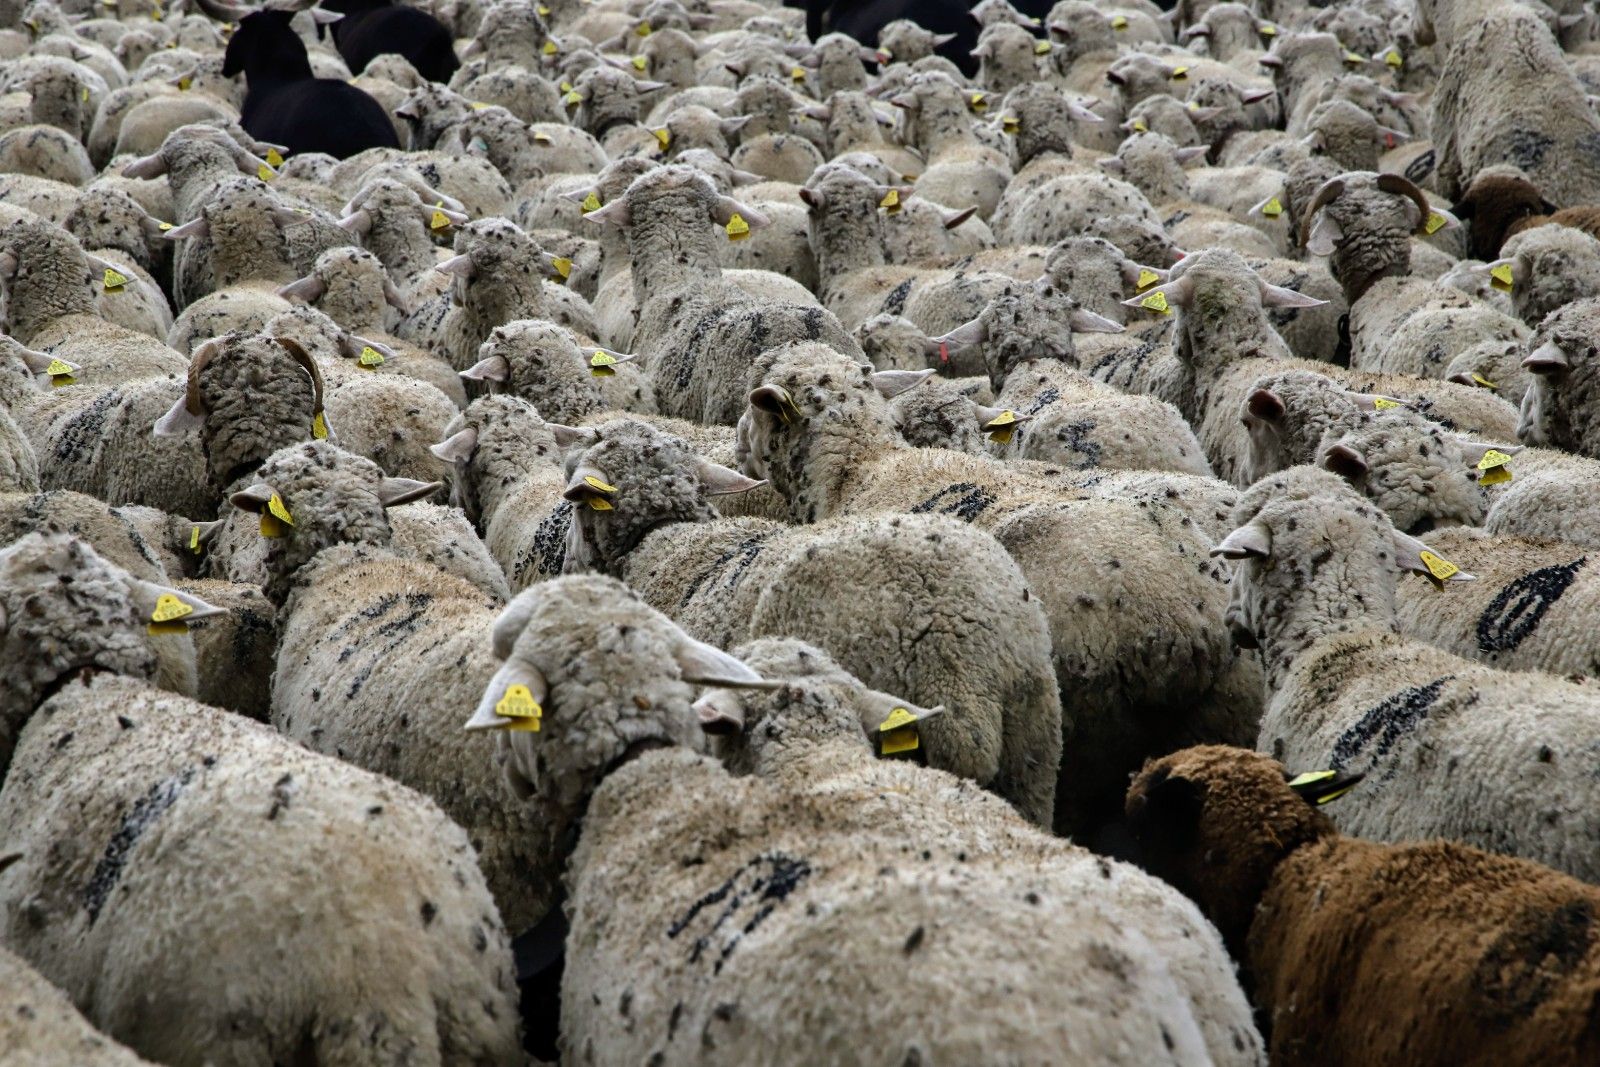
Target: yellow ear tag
(1180,73)
(83,95)
(562,266)
(664,136)
(1147,278)
(1119,22)
(265,173)
(1267,29)
(275,518)
(114,280)
(572,99)
(565,87)
(1392,57)
(1500,277)
(1439,568)
(898,733)
(370,358)
(184,83)
(1495,460)
(1310,778)
(1157,302)
(169,614)
(643,29)
(480,106)
(1010,124)
(544,12)
(798,74)
(590,203)
(640,63)
(737,228)
(1041,48)
(274,158)
(550,48)
(1140,127)
(194,539)
(978,102)
(891,202)
(1383,403)
(602,364)
(1353,59)
(440,220)
(1481,380)
(519,707)
(1434,224)
(163,226)
(1272,208)
(1002,427)
(1496,476)
(595,483)
(541,138)
(319,427)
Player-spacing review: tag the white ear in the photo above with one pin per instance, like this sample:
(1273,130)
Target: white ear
(891,383)
(151,592)
(1345,461)
(393,492)
(325,18)
(309,289)
(460,266)
(1408,554)
(703,664)
(1086,321)
(964,336)
(357,222)
(1325,235)
(457,448)
(1255,96)
(1450,221)
(494,369)
(1112,164)
(1548,358)
(1082,113)
(953,218)
(177,420)
(728,207)
(197,227)
(1251,540)
(1179,293)
(1185,155)
(723,481)
(567,436)
(1276,296)
(145,168)
(512,672)
(612,214)
(720,713)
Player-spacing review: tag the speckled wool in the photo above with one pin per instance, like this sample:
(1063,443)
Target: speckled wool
(547,367)
(1317,594)
(366,641)
(43,1028)
(1562,407)
(931,634)
(1120,570)
(109,776)
(797,866)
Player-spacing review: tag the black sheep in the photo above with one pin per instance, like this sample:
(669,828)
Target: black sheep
(283,102)
(371,28)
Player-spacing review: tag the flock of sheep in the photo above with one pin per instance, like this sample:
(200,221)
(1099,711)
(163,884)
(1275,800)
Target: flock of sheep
(616,530)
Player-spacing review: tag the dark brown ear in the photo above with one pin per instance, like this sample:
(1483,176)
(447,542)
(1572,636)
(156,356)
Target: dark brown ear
(1463,210)
(1547,207)
(1165,816)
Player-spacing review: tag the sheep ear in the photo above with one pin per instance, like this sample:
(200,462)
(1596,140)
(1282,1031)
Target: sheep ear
(1266,405)
(460,266)
(727,207)
(254,498)
(952,218)
(1179,292)
(1414,555)
(494,369)
(891,383)
(1345,461)
(1369,401)
(703,664)
(357,222)
(613,214)
(1132,272)
(1465,209)
(394,299)
(147,597)
(1323,787)
(964,336)
(197,227)
(1473,451)
(1255,96)
(1085,321)
(720,713)
(38,362)
(1204,114)
(1112,164)
(1548,358)
(731,126)
(1325,235)
(1276,296)
(567,436)
(309,289)
(724,481)
(392,492)
(457,448)
(1081,113)
(1252,540)
(145,168)
(178,419)
(514,672)
(1165,814)
(1450,221)
(1187,155)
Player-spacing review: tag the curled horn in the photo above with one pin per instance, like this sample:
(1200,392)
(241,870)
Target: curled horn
(191,391)
(1401,186)
(302,357)
(1330,191)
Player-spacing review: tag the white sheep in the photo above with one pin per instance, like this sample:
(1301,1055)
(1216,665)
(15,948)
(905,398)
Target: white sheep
(544,365)
(611,680)
(1450,748)
(961,169)
(41,1025)
(105,769)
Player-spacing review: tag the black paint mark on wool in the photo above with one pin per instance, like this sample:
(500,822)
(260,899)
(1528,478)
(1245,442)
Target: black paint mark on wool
(1042,401)
(895,302)
(969,501)
(1075,435)
(145,811)
(549,545)
(1528,147)
(765,881)
(1513,615)
(1419,169)
(745,551)
(1387,723)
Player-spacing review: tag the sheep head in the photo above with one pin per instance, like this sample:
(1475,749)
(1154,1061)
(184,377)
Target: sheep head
(1216,821)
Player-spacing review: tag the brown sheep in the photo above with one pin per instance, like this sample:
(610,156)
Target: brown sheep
(1359,952)
(1500,206)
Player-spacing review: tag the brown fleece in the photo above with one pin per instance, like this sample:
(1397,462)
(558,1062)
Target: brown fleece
(1359,952)
(1497,206)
